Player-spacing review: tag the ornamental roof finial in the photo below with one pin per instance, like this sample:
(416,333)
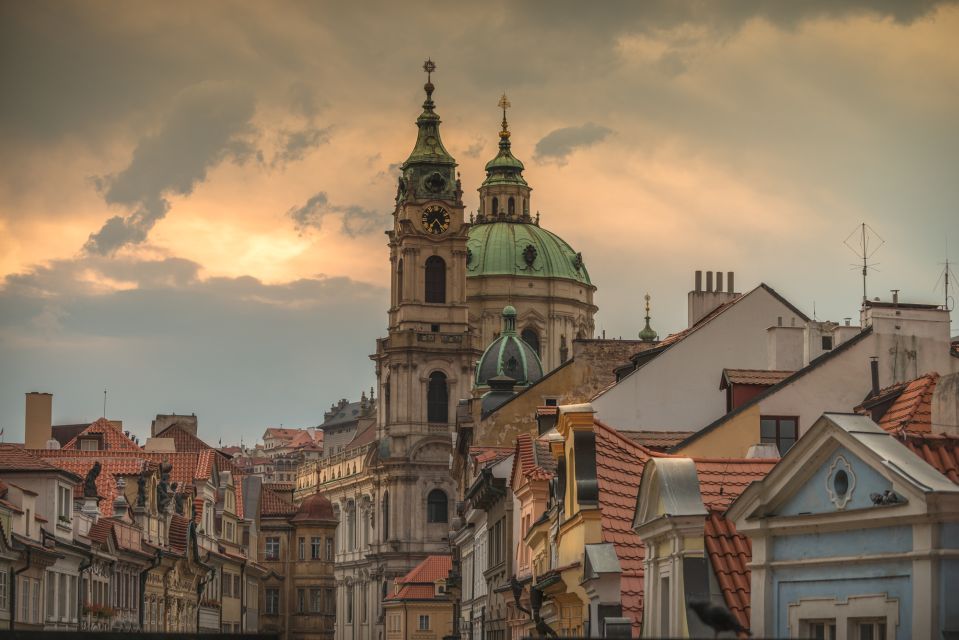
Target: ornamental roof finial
(504,105)
(648,334)
(429,67)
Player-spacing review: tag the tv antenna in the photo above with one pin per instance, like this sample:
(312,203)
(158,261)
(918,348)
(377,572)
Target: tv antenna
(864,242)
(949,302)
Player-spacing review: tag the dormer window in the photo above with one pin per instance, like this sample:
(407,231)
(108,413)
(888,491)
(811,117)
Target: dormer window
(90,443)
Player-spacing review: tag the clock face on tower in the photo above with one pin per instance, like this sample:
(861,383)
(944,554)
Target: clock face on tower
(435,219)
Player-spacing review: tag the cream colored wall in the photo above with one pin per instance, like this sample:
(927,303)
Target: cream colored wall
(732,440)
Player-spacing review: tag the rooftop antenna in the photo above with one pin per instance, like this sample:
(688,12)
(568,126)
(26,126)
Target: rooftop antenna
(949,302)
(104,402)
(864,242)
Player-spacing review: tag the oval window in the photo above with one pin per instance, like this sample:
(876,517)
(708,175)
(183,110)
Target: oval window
(840,482)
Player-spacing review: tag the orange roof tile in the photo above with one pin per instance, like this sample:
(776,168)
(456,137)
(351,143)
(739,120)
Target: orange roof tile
(912,410)
(729,554)
(490,455)
(657,440)
(113,437)
(753,376)
(183,440)
(273,504)
(13,458)
(419,583)
(940,451)
(106,482)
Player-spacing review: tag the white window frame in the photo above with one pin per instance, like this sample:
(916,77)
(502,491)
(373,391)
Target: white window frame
(877,607)
(424,618)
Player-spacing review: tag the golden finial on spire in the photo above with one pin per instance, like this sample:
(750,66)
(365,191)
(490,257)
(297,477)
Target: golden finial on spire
(504,105)
(647,304)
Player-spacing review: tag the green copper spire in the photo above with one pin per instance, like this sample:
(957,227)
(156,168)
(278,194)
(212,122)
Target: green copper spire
(648,334)
(504,168)
(429,148)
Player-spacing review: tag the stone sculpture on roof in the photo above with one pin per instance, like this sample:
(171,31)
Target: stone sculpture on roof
(90,483)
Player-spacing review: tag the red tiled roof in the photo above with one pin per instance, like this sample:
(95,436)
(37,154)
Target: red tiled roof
(183,440)
(273,504)
(657,440)
(533,458)
(106,482)
(13,458)
(721,481)
(113,437)
(940,451)
(912,410)
(753,376)
(283,434)
(238,494)
(490,455)
(619,467)
(729,554)
(419,583)
(179,532)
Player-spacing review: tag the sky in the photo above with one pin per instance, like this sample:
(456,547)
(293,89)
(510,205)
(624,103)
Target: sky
(193,195)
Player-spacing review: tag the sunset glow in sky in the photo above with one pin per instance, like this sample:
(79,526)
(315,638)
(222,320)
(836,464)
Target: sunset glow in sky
(155,159)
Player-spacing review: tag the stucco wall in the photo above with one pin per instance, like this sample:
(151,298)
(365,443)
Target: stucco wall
(679,389)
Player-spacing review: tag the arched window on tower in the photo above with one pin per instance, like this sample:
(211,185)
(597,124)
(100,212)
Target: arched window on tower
(531,338)
(511,206)
(435,280)
(495,206)
(437,399)
(437,506)
(399,281)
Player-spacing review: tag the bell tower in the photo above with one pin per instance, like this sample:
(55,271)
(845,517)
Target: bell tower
(425,363)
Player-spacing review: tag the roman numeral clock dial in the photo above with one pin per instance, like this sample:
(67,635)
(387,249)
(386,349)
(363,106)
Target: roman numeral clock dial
(436,220)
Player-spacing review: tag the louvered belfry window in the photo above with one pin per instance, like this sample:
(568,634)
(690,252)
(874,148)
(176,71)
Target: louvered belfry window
(435,280)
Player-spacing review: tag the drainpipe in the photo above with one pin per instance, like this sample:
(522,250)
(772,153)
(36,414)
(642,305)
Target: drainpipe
(143,582)
(13,588)
(243,597)
(84,565)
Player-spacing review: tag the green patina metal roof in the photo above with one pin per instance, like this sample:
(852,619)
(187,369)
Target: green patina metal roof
(510,356)
(521,249)
(429,147)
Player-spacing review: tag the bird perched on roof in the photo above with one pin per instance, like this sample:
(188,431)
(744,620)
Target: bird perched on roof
(717,617)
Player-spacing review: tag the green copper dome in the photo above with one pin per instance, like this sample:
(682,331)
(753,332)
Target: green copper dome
(521,249)
(509,356)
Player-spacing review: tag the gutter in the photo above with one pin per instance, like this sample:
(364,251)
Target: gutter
(13,588)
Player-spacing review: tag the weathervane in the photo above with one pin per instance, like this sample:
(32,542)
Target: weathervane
(866,249)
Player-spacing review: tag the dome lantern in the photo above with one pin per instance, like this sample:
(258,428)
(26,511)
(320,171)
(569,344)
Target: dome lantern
(509,356)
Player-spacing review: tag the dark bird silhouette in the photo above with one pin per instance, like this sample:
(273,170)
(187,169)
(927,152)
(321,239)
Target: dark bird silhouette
(717,617)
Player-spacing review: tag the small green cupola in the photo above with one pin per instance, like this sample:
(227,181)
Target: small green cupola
(430,171)
(509,355)
(648,334)
(504,194)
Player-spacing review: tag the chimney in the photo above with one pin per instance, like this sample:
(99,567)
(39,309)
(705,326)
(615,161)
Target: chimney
(699,281)
(709,282)
(874,369)
(719,281)
(38,424)
(701,302)
(729,282)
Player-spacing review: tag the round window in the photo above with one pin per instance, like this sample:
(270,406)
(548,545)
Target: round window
(840,482)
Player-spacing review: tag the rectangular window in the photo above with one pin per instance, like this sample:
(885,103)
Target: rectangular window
(821,629)
(424,623)
(301,549)
(51,595)
(315,545)
(301,600)
(827,343)
(272,600)
(236,585)
(4,603)
(272,548)
(24,589)
(36,601)
(62,597)
(869,629)
(315,600)
(329,549)
(779,430)
(227,583)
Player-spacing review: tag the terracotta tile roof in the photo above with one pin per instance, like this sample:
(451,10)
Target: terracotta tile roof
(619,467)
(113,437)
(657,440)
(912,410)
(282,434)
(364,437)
(101,531)
(484,456)
(729,554)
(721,481)
(238,493)
(230,451)
(179,532)
(106,482)
(273,504)
(753,376)
(183,440)
(940,451)
(14,458)
(419,583)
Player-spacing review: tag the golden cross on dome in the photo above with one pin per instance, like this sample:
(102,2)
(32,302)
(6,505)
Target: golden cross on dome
(504,105)
(429,67)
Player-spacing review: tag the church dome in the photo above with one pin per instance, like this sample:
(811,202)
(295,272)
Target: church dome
(521,249)
(315,508)
(510,356)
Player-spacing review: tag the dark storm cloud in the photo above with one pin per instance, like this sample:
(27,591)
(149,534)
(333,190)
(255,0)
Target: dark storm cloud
(355,220)
(295,145)
(557,145)
(209,124)
(240,338)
